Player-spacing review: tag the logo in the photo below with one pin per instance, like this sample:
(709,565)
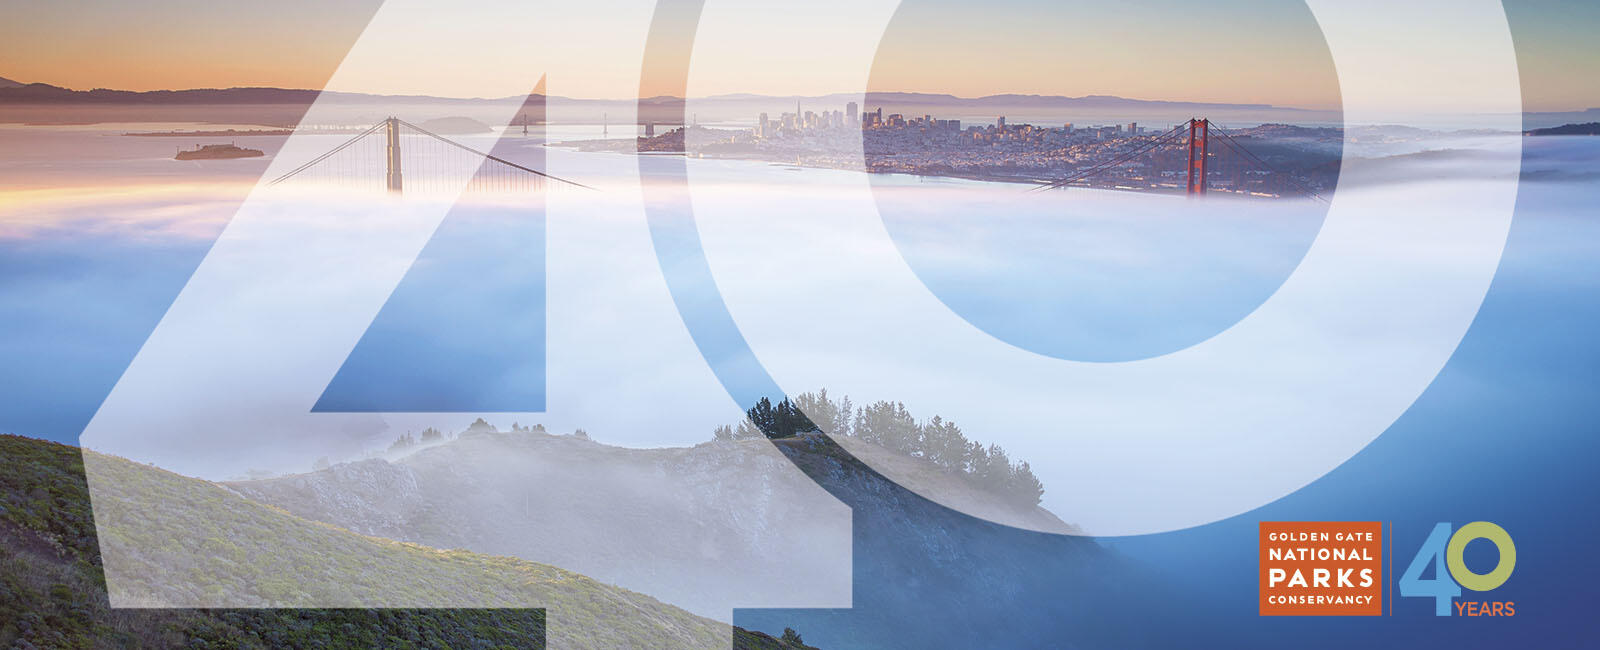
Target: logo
(1450,572)
(1321,568)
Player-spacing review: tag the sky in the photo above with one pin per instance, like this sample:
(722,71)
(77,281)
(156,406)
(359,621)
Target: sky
(1133,49)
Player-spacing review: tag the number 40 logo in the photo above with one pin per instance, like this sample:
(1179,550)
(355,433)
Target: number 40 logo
(1446,551)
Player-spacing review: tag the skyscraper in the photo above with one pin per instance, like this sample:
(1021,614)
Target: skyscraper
(851,114)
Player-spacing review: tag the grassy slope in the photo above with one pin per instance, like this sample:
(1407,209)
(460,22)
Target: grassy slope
(52,589)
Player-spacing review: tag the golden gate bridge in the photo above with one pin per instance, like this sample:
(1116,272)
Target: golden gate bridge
(398,156)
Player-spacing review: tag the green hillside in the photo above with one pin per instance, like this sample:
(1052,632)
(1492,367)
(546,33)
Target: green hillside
(53,590)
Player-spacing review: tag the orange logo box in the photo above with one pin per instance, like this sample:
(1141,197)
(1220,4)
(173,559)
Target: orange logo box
(1321,568)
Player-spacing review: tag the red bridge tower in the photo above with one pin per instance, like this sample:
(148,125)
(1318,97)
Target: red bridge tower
(1199,130)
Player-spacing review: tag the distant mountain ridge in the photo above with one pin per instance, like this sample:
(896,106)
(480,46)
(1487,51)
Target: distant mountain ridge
(48,94)
(14,92)
(1016,100)
(1586,128)
(1550,119)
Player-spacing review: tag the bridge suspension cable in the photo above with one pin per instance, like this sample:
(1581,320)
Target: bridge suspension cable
(1083,174)
(327,155)
(1228,140)
(490,157)
(366,168)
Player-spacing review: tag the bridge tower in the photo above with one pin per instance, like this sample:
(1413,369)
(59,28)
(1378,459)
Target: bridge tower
(1199,132)
(392,130)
